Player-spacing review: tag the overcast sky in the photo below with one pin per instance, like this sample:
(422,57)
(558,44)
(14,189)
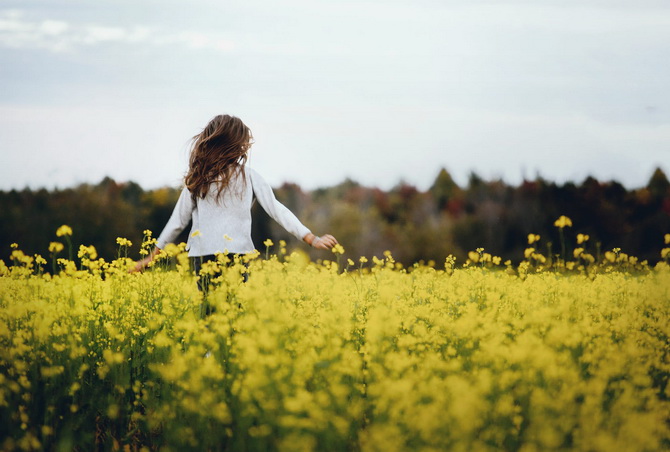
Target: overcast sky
(377,91)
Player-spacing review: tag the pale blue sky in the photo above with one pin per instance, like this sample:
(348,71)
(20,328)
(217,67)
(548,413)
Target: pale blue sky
(378,91)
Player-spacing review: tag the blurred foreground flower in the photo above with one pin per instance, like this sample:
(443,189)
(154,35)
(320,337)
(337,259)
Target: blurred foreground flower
(532,238)
(64,230)
(581,238)
(55,247)
(563,222)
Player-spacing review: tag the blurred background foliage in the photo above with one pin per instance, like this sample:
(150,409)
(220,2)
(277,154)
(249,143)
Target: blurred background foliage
(414,225)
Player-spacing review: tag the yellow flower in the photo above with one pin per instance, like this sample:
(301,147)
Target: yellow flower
(112,357)
(578,252)
(64,230)
(55,247)
(581,238)
(532,238)
(473,256)
(195,233)
(667,239)
(338,249)
(350,262)
(363,259)
(588,257)
(610,256)
(87,251)
(665,253)
(123,242)
(563,222)
(528,252)
(268,243)
(14,246)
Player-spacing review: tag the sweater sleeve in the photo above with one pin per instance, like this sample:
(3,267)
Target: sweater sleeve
(179,219)
(274,208)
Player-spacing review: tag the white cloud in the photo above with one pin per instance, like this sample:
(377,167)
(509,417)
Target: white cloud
(53,27)
(195,40)
(94,34)
(19,31)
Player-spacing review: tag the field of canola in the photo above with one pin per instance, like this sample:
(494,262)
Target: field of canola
(546,355)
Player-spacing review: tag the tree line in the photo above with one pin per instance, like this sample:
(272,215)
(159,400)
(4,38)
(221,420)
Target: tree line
(414,225)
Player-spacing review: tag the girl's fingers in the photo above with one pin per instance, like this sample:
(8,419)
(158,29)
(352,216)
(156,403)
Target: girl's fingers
(326,242)
(330,239)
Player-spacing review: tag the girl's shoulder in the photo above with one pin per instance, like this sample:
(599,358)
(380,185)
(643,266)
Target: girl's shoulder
(252,174)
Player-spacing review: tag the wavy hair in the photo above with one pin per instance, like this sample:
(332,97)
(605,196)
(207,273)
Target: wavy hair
(218,155)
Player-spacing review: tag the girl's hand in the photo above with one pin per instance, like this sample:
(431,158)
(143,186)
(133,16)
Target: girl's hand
(325,242)
(144,263)
(138,267)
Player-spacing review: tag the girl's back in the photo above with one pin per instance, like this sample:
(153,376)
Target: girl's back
(219,192)
(222,223)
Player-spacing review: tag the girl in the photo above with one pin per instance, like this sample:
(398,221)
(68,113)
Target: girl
(217,198)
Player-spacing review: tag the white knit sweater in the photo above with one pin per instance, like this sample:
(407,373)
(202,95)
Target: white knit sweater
(225,226)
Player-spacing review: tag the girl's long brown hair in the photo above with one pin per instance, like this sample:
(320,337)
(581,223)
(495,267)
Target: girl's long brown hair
(218,154)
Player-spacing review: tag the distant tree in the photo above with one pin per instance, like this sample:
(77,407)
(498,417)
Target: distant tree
(658,184)
(444,189)
(414,225)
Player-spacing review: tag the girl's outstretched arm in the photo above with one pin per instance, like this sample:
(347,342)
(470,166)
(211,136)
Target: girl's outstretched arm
(324,242)
(180,217)
(284,216)
(143,263)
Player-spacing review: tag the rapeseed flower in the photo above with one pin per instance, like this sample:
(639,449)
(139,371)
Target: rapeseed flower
(124,242)
(301,355)
(582,238)
(55,247)
(63,231)
(88,251)
(563,222)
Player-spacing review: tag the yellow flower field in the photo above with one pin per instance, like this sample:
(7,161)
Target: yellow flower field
(336,356)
